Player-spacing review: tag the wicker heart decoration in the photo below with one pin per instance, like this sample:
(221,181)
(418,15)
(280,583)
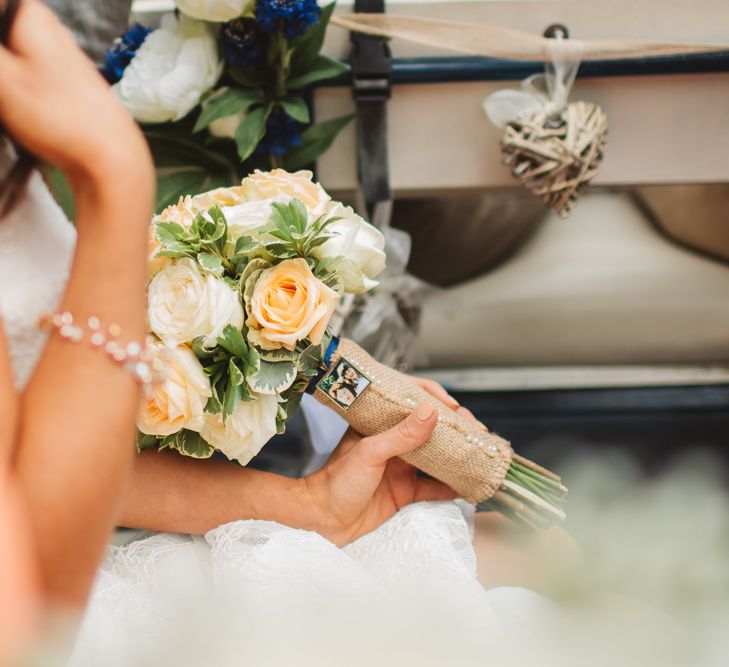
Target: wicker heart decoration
(556,156)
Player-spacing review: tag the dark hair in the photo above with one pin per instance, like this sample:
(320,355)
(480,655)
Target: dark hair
(13,184)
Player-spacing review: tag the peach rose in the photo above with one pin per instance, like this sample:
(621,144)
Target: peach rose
(178,401)
(280,183)
(288,304)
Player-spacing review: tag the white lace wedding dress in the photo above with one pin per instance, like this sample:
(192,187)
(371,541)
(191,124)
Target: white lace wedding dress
(256,592)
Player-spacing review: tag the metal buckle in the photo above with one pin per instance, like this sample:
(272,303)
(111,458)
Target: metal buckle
(371,68)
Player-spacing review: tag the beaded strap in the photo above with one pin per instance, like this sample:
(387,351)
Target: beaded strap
(134,357)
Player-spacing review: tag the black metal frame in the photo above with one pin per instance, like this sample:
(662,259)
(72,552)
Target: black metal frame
(471,68)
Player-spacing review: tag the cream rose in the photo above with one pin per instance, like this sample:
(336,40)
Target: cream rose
(279,183)
(288,304)
(215,10)
(241,437)
(247,219)
(178,400)
(175,66)
(184,302)
(361,244)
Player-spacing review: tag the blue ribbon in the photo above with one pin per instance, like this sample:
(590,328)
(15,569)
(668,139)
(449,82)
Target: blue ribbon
(326,363)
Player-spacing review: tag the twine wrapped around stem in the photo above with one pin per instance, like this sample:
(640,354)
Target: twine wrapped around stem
(479,465)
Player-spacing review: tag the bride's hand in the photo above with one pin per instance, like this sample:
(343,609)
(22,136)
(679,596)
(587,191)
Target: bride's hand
(364,482)
(55,103)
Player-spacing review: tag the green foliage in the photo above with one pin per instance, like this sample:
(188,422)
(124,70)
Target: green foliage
(315,140)
(189,443)
(251,131)
(201,161)
(323,68)
(273,377)
(229,103)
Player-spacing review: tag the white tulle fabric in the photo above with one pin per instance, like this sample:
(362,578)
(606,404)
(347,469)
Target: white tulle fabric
(259,593)
(256,592)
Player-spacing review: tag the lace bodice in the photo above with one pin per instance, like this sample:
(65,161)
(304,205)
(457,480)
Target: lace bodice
(36,248)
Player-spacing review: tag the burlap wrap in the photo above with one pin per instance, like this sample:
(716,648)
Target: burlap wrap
(469,459)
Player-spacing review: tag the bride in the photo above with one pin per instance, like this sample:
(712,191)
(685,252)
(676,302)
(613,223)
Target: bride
(362,558)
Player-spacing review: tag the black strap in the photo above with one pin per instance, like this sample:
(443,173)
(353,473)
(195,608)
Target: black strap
(371,88)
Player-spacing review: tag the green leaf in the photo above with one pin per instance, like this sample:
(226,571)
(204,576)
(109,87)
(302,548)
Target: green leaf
(234,373)
(171,187)
(315,140)
(190,444)
(210,262)
(310,359)
(323,68)
(247,77)
(213,406)
(273,377)
(229,103)
(251,131)
(295,106)
(145,441)
(244,247)
(282,354)
(202,352)
(232,340)
(231,399)
(307,48)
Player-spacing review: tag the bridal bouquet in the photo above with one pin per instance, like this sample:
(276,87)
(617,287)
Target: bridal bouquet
(244,282)
(219,89)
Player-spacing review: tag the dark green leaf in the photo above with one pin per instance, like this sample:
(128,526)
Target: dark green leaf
(145,441)
(171,187)
(307,48)
(295,106)
(323,68)
(247,77)
(251,131)
(229,103)
(213,406)
(314,141)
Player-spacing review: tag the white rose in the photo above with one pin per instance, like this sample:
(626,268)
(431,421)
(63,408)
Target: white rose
(184,302)
(178,400)
(215,10)
(174,67)
(361,244)
(247,219)
(241,437)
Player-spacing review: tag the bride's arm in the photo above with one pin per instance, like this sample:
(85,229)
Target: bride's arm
(362,485)
(73,445)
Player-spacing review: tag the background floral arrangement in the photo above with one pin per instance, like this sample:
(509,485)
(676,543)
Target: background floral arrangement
(220,89)
(243,284)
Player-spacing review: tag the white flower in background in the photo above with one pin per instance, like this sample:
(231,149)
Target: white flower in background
(241,437)
(177,401)
(185,302)
(359,243)
(248,219)
(225,128)
(174,67)
(215,10)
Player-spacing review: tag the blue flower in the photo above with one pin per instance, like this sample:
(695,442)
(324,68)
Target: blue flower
(122,51)
(243,43)
(282,134)
(292,16)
